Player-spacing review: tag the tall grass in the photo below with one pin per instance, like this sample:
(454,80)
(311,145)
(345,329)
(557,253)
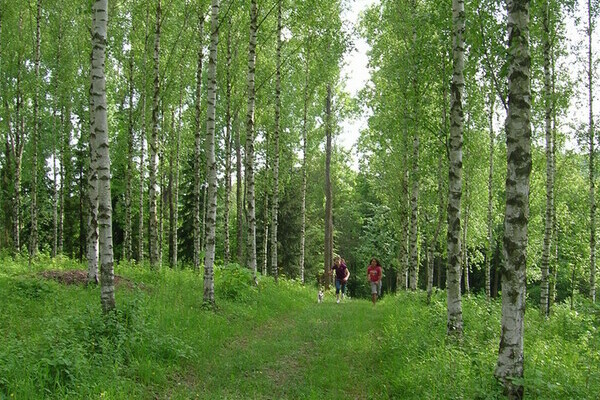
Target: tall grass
(270,341)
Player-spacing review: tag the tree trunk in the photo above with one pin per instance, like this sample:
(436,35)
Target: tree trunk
(304,169)
(198,146)
(455,326)
(33,238)
(153,148)
(140,258)
(172,201)
(17,144)
(328,192)
(276,148)
(129,170)
(490,204)
(65,135)
(590,73)
(100,128)
(161,203)
(266,232)
(227,201)
(82,197)
(239,199)
(465,261)
(92,192)
(554,240)
(211,163)
(54,192)
(175,189)
(250,198)
(545,285)
(518,142)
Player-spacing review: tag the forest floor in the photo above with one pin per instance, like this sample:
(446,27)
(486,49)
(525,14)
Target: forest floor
(325,350)
(273,341)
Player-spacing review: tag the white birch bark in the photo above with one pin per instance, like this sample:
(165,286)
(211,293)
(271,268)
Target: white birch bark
(304,167)
(250,198)
(239,198)
(490,203)
(546,249)
(265,265)
(100,128)
(211,163)
(554,240)
(141,235)
(54,191)
(92,194)
(275,200)
(518,142)
(198,145)
(590,74)
(227,249)
(17,142)
(33,238)
(176,183)
(65,135)
(328,193)
(153,149)
(465,260)
(454,324)
(129,170)
(161,202)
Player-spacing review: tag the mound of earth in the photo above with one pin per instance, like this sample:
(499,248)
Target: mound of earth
(79,277)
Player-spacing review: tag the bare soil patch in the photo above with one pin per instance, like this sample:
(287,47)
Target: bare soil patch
(79,277)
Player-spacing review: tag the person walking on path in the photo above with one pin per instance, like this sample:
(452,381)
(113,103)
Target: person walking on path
(341,276)
(374,274)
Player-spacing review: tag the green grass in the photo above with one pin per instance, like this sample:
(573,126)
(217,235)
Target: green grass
(270,342)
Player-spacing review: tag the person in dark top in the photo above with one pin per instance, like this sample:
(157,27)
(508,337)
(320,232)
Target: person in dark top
(341,276)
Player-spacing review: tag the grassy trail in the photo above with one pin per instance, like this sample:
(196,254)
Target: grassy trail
(323,351)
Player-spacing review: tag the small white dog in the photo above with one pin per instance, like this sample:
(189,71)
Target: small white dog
(320,296)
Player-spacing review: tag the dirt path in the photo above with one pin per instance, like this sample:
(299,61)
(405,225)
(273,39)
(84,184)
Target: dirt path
(325,351)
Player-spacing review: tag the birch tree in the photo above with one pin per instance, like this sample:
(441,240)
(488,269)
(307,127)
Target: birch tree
(592,138)
(455,327)
(250,198)
(198,144)
(328,192)
(490,204)
(276,133)
(227,250)
(211,163)
(101,148)
(548,103)
(92,192)
(153,148)
(129,171)
(16,141)
(33,239)
(140,258)
(304,166)
(509,367)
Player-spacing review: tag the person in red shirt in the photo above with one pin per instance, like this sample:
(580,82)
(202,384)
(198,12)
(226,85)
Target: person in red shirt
(374,274)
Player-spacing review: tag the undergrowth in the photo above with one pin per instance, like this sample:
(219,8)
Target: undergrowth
(161,343)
